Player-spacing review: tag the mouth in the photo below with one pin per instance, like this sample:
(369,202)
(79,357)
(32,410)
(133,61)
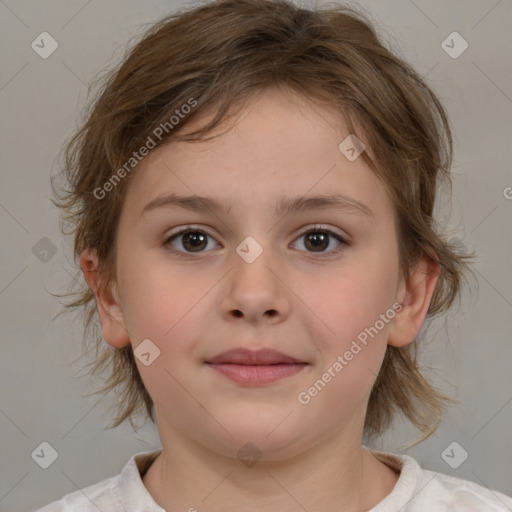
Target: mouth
(255,368)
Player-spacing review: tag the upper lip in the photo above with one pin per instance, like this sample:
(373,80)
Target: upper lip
(253,357)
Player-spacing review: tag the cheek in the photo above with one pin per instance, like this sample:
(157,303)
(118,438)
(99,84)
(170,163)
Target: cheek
(156,296)
(355,296)
(168,306)
(355,306)
(167,310)
(349,360)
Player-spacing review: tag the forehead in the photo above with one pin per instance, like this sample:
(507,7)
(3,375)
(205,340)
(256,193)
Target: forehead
(279,146)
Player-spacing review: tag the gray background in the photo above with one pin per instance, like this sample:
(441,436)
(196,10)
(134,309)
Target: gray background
(43,393)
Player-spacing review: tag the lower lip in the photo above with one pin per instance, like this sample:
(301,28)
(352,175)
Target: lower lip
(257,374)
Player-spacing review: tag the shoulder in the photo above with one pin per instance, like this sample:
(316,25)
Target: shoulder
(419,489)
(451,493)
(100,496)
(120,493)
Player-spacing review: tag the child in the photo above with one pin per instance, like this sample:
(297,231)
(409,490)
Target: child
(252,199)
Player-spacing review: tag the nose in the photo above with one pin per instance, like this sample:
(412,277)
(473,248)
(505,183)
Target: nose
(257,291)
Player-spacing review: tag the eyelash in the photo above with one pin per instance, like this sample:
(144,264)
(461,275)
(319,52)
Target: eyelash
(315,229)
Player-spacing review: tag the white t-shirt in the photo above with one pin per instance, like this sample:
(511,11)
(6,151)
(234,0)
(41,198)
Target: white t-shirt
(417,490)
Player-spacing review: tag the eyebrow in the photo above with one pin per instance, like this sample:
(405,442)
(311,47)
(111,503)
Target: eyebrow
(286,205)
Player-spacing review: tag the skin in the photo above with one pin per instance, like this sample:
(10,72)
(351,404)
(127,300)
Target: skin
(290,298)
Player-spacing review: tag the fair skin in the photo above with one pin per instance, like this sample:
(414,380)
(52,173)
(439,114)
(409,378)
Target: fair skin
(310,304)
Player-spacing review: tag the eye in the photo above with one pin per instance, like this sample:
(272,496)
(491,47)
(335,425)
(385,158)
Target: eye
(194,240)
(191,239)
(318,239)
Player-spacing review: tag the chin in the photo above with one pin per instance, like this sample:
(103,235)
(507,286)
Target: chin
(263,436)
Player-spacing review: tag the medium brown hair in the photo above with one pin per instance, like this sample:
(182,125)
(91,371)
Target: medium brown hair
(221,54)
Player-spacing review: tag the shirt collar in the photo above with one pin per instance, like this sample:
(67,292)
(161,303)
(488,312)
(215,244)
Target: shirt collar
(132,491)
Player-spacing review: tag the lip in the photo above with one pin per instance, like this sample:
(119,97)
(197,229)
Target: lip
(243,356)
(254,368)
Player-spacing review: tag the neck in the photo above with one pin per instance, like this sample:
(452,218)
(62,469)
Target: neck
(334,475)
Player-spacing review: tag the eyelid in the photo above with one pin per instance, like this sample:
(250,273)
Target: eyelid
(199,227)
(185,228)
(320,227)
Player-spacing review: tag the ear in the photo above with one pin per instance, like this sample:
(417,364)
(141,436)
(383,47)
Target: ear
(109,309)
(415,295)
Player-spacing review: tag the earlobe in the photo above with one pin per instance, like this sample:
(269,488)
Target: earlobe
(109,310)
(416,295)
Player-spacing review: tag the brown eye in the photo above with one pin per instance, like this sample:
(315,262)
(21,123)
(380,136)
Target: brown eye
(319,240)
(190,240)
(194,240)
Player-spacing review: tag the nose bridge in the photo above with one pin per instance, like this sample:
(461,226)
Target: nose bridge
(254,261)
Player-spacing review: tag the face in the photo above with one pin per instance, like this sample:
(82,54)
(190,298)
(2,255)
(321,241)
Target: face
(316,284)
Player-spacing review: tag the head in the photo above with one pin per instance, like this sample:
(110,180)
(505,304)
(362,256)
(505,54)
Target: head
(247,102)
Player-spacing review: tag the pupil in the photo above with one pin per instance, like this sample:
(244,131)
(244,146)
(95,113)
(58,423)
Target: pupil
(195,239)
(318,239)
